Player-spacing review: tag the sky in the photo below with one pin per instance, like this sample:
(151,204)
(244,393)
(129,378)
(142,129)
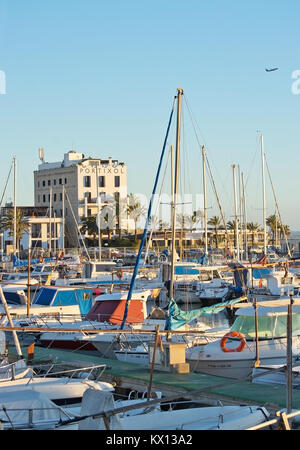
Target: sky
(100,78)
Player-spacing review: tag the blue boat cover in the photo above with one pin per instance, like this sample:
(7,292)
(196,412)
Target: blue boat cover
(64,297)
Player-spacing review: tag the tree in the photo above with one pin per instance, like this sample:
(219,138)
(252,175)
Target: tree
(135,210)
(7,223)
(273,224)
(215,222)
(89,226)
(253,228)
(284,231)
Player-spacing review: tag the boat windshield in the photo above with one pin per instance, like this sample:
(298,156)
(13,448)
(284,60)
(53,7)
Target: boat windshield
(269,327)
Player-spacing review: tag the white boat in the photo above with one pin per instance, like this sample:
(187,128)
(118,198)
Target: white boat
(204,418)
(275,374)
(67,304)
(63,388)
(234,357)
(30,410)
(106,313)
(274,285)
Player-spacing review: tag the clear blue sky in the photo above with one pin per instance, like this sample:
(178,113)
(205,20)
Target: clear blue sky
(100,77)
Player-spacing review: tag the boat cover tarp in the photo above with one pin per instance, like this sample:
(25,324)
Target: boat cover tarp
(65,297)
(176,318)
(95,402)
(24,262)
(18,404)
(113,311)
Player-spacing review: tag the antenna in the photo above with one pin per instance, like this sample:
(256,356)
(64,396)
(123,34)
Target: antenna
(42,154)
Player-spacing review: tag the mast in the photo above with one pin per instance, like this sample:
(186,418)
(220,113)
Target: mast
(236,214)
(50,221)
(63,219)
(15,207)
(98,211)
(245,217)
(176,179)
(204,194)
(263,191)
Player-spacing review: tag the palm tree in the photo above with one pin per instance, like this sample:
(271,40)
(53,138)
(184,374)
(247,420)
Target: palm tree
(7,223)
(231,225)
(215,222)
(253,228)
(89,226)
(284,231)
(135,210)
(273,224)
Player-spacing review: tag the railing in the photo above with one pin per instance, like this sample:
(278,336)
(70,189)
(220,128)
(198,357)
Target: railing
(281,422)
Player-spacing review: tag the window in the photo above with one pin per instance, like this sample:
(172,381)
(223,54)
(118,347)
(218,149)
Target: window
(60,196)
(44,183)
(44,198)
(38,183)
(87,181)
(101,181)
(60,181)
(89,212)
(49,182)
(117,181)
(88,196)
(65,181)
(54,197)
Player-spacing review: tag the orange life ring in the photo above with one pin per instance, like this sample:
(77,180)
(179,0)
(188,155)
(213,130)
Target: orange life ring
(233,334)
(120,274)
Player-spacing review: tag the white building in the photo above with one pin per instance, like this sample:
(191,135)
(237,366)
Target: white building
(79,187)
(41,230)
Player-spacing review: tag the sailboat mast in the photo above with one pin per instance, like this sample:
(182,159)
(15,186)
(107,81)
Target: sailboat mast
(204,194)
(236,214)
(245,217)
(176,179)
(264,192)
(15,207)
(63,218)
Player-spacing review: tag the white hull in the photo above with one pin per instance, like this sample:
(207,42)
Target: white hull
(211,360)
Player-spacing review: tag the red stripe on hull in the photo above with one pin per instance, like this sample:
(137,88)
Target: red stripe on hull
(68,345)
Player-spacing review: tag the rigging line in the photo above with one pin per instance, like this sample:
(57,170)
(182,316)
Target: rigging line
(6,183)
(78,227)
(205,143)
(217,197)
(276,203)
(157,206)
(252,163)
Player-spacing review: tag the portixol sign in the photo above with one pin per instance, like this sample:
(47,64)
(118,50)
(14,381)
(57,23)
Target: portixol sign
(103,170)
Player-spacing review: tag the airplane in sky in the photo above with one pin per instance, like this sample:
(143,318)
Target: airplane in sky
(272,70)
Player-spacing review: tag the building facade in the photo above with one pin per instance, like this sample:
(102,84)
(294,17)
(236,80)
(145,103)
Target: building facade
(80,187)
(42,232)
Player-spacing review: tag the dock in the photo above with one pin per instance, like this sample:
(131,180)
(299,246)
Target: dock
(201,388)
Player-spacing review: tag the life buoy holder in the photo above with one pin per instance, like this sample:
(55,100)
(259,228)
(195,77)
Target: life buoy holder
(120,274)
(233,334)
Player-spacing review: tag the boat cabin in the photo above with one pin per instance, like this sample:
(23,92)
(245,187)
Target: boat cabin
(272,322)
